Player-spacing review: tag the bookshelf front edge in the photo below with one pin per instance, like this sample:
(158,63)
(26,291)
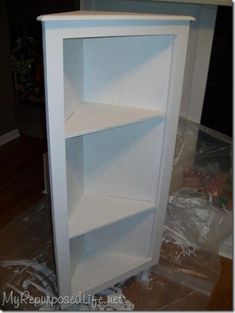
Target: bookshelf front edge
(54,94)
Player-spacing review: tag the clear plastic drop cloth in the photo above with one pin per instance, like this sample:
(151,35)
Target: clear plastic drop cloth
(198,218)
(199,214)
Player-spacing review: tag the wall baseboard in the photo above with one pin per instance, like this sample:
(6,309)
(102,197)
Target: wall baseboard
(11,135)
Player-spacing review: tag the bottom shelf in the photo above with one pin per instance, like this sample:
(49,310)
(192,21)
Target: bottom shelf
(104,268)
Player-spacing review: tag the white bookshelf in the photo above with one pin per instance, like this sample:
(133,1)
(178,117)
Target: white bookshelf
(113,91)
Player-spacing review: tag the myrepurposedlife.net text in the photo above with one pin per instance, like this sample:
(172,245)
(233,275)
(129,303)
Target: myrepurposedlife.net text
(25,298)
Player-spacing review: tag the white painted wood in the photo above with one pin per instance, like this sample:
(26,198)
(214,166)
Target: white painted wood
(102,271)
(93,212)
(115,250)
(113,84)
(11,135)
(110,172)
(89,118)
(168,147)
(77,249)
(138,77)
(88,15)
(75,172)
(205,36)
(125,161)
(104,163)
(73,55)
(116,28)
(54,92)
(128,236)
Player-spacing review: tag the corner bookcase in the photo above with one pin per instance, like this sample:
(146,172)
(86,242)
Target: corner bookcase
(113,88)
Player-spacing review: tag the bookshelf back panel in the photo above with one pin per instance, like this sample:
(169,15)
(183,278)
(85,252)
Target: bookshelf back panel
(121,162)
(126,71)
(74,171)
(77,250)
(124,161)
(131,70)
(110,252)
(131,236)
(73,75)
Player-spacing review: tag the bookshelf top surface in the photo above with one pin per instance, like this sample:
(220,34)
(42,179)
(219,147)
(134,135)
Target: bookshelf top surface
(101,15)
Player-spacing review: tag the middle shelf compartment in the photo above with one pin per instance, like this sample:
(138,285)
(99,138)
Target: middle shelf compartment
(93,212)
(112,174)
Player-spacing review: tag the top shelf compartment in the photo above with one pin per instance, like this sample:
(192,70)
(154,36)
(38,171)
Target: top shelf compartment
(115,81)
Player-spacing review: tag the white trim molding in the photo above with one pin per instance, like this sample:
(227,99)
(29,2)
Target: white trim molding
(11,135)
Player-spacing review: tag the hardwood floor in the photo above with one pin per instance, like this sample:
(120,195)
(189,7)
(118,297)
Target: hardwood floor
(21,176)
(222,296)
(161,293)
(21,185)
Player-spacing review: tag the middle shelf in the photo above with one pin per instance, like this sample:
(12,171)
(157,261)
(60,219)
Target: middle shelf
(93,212)
(93,117)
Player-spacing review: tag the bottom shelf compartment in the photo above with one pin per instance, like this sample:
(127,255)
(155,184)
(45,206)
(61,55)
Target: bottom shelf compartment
(99,272)
(106,256)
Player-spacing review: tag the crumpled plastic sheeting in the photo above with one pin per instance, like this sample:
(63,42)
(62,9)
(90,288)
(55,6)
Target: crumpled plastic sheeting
(194,221)
(201,187)
(199,214)
(203,160)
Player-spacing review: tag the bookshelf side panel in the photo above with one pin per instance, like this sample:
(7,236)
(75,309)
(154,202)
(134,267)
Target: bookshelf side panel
(73,74)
